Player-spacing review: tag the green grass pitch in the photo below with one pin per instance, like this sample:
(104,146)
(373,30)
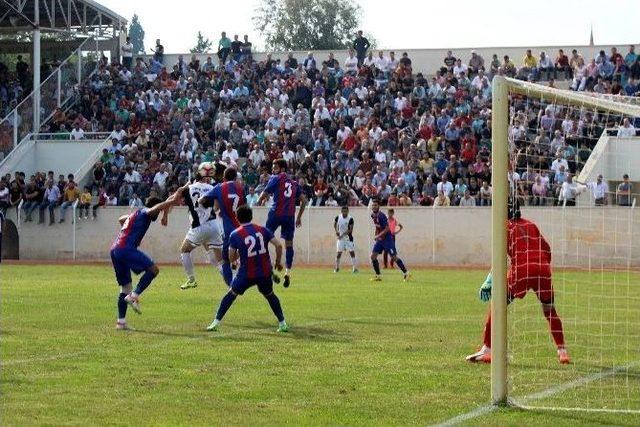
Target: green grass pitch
(358,353)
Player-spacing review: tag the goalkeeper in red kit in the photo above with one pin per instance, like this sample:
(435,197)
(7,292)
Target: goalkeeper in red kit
(530,269)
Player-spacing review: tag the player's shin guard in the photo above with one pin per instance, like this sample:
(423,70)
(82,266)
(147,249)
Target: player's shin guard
(274,303)
(487,330)
(225,304)
(187,263)
(144,282)
(555,325)
(376,266)
(400,265)
(288,257)
(122,306)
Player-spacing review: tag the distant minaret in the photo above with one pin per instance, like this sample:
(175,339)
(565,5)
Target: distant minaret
(591,36)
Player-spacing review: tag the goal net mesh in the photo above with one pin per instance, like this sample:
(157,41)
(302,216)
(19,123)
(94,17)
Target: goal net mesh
(567,163)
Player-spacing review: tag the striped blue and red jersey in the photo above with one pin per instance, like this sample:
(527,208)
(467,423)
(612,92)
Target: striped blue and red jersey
(133,230)
(381,222)
(230,195)
(285,192)
(252,241)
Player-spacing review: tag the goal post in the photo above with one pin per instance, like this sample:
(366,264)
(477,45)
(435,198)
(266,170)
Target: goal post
(503,89)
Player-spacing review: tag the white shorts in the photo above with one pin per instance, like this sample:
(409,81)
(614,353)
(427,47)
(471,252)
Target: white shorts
(345,245)
(208,234)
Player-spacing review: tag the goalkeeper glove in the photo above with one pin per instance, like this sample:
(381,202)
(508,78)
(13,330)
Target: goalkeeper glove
(485,289)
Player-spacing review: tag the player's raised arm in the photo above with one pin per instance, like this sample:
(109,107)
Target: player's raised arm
(172,200)
(303,206)
(122,219)
(276,244)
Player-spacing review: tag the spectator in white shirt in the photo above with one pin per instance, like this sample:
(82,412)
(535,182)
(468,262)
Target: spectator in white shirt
(118,133)
(136,202)
(460,68)
(231,153)
(127,53)
(400,102)
(161,177)
(445,186)
(558,162)
(256,157)
(381,62)
(626,130)
(600,191)
(132,176)
(351,63)
(77,133)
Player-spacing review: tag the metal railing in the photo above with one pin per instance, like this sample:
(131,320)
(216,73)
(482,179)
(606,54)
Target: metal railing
(57,90)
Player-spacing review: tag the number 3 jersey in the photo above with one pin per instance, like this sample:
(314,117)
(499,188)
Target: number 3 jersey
(230,195)
(198,214)
(285,192)
(251,241)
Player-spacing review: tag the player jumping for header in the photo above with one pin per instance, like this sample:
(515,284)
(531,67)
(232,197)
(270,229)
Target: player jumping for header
(343,225)
(225,199)
(204,230)
(530,257)
(383,242)
(285,192)
(249,244)
(126,256)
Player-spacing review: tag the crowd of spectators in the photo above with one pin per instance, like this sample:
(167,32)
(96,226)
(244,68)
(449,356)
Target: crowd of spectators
(367,125)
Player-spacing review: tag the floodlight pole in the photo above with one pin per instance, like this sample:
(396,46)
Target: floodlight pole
(499,172)
(36,66)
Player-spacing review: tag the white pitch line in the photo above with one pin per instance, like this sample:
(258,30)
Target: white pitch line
(484,410)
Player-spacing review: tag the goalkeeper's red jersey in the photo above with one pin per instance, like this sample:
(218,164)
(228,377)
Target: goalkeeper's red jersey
(526,245)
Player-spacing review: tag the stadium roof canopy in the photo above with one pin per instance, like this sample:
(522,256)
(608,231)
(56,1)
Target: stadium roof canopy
(68,16)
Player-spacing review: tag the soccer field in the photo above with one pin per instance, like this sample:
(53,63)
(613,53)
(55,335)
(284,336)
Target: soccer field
(358,353)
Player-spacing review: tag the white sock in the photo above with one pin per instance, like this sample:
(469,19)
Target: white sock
(283,323)
(216,322)
(187,263)
(287,271)
(354,263)
(123,320)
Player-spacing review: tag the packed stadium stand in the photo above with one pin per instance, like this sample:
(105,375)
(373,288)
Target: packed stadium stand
(350,128)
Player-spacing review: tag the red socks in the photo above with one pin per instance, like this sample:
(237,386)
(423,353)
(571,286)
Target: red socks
(555,324)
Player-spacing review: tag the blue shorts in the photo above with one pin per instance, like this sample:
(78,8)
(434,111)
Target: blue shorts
(126,260)
(386,245)
(287,225)
(241,284)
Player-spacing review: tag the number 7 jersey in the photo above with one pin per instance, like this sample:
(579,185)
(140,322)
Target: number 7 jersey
(285,192)
(230,195)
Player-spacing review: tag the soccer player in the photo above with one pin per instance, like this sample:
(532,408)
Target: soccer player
(343,225)
(395,228)
(225,199)
(126,256)
(249,244)
(383,242)
(205,230)
(285,192)
(530,257)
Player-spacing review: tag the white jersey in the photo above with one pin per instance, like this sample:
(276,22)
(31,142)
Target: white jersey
(342,224)
(198,214)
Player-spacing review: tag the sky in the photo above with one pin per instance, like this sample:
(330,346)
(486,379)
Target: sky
(414,24)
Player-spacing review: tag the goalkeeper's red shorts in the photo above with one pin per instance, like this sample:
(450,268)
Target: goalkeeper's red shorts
(533,276)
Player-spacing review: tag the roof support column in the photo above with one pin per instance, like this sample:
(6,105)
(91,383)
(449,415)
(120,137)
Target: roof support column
(36,67)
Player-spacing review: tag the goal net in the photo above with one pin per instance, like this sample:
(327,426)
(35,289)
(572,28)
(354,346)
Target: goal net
(572,162)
